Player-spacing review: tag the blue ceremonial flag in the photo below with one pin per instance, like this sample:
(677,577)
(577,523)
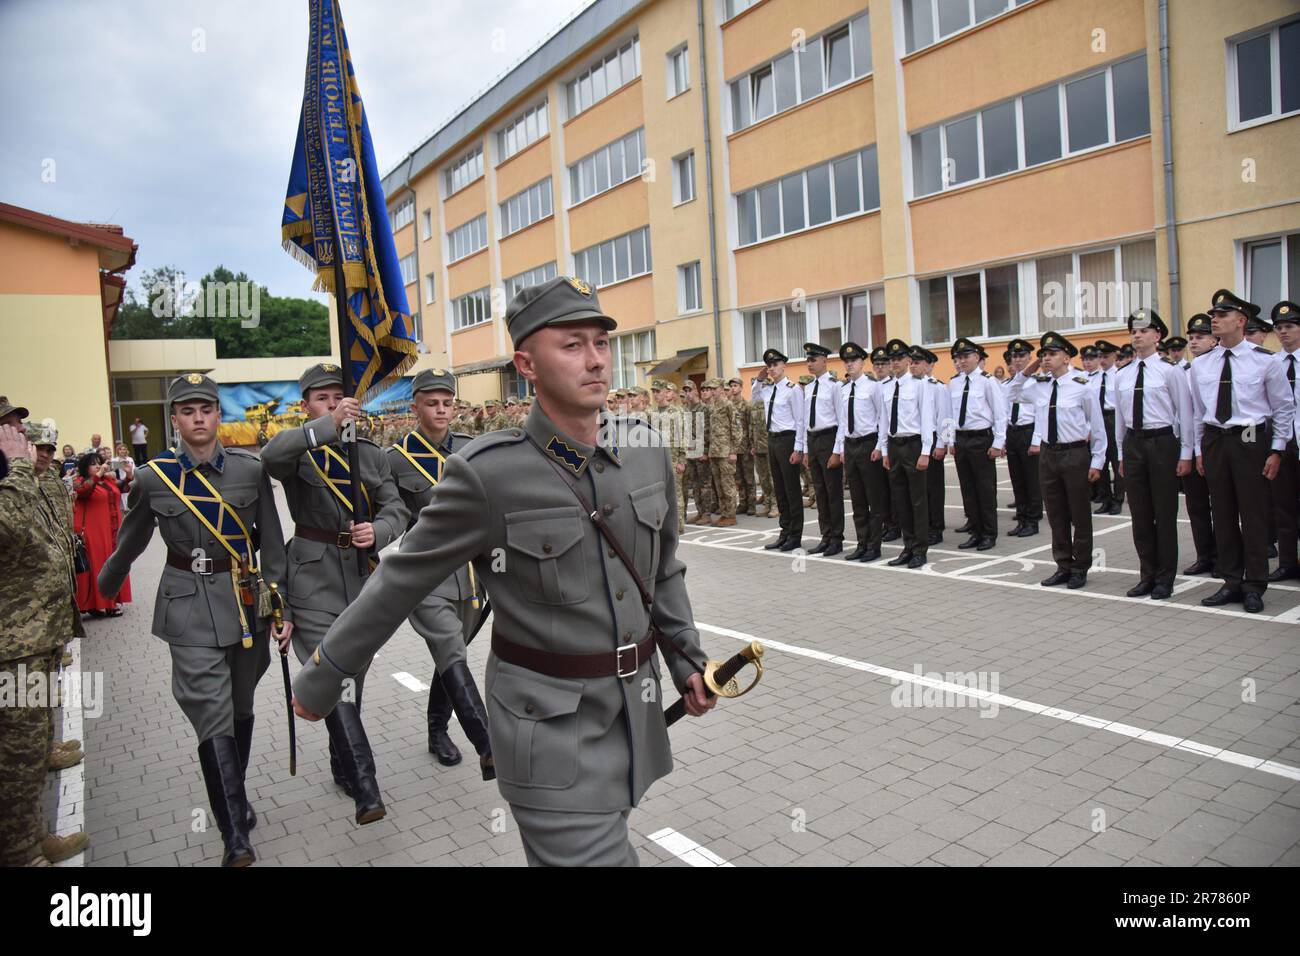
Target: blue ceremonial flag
(335,212)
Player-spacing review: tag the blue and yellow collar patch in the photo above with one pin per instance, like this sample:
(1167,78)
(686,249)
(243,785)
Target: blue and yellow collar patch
(566,455)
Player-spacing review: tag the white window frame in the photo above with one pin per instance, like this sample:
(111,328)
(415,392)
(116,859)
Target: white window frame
(689,283)
(794,322)
(402,214)
(515,136)
(426,225)
(684,162)
(1286,239)
(674,56)
(934,19)
(642,343)
(1275,78)
(529,277)
(1018,100)
(430,288)
(595,248)
(745,78)
(468,165)
(463,309)
(735,8)
(466,229)
(575,90)
(406,265)
(545,207)
(803,173)
(600,157)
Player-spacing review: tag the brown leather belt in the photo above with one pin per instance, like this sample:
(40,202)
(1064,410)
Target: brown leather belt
(340,539)
(185,562)
(623,662)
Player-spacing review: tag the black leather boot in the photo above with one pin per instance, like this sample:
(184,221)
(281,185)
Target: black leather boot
(459,685)
(336,766)
(219,758)
(439,713)
(244,743)
(356,760)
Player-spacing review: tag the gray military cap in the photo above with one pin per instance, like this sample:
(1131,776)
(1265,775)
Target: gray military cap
(320,375)
(192,385)
(431,378)
(8,409)
(559,300)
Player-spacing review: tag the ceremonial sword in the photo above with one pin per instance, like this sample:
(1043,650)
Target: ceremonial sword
(720,679)
(277,619)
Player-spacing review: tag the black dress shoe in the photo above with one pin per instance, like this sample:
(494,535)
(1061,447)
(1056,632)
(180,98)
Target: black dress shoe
(1284,574)
(969,543)
(871,554)
(901,559)
(935,537)
(1029,530)
(775,545)
(1060,577)
(790,544)
(986,543)
(832,549)
(855,554)
(1199,566)
(1077,580)
(893,534)
(918,561)
(821,546)
(1141,589)
(964,529)
(1272,550)
(1225,595)
(1102,509)
(1116,508)
(1253,601)
(1161,592)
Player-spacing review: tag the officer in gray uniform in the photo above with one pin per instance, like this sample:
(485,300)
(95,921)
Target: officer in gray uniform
(575,706)
(447,618)
(207,605)
(323,574)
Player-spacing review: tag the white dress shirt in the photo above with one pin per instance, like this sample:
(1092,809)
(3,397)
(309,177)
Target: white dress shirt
(945,420)
(784,410)
(1018,413)
(1104,378)
(868,407)
(819,403)
(985,404)
(1290,360)
(1078,410)
(1166,401)
(914,397)
(1260,392)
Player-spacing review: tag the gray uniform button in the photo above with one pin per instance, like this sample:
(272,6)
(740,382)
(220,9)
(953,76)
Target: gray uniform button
(600,468)
(546,548)
(619,594)
(612,554)
(608,509)
(528,708)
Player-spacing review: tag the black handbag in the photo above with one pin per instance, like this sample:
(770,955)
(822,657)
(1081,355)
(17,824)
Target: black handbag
(80,560)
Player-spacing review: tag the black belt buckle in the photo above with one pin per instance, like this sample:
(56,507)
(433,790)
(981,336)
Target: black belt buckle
(343,539)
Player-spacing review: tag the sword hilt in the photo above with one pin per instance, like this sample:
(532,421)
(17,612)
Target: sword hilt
(720,679)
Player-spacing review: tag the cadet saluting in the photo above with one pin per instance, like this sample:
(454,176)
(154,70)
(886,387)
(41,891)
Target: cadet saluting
(447,617)
(210,505)
(981,416)
(574,702)
(323,575)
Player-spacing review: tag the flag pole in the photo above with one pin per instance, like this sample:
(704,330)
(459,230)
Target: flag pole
(349,389)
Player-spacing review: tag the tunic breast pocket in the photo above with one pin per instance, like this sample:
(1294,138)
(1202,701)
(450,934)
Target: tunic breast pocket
(534,724)
(305,572)
(175,603)
(170,512)
(545,548)
(650,508)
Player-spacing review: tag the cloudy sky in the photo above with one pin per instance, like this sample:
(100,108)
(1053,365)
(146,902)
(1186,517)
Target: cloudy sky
(189,151)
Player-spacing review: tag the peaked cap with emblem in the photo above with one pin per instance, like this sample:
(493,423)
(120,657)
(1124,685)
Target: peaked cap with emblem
(1089,352)
(878,354)
(192,385)
(320,375)
(1286,311)
(964,346)
(1225,300)
(814,348)
(1057,341)
(1147,319)
(1200,322)
(852,350)
(774,355)
(1105,347)
(1257,323)
(1176,342)
(557,301)
(434,378)
(922,354)
(1020,347)
(897,348)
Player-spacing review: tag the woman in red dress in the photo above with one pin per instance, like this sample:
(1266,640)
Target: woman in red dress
(97,514)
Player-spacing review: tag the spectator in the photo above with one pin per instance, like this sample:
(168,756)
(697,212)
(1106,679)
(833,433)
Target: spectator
(122,466)
(1000,374)
(97,516)
(96,444)
(69,463)
(140,441)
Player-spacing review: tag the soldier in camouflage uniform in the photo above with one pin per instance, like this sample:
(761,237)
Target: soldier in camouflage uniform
(723,442)
(37,614)
(758,429)
(668,420)
(745,489)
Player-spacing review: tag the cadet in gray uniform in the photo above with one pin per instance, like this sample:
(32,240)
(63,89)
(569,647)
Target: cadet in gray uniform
(447,617)
(575,706)
(323,574)
(207,608)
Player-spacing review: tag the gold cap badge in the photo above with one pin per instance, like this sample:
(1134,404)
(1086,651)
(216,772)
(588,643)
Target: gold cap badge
(194,378)
(328,367)
(580,285)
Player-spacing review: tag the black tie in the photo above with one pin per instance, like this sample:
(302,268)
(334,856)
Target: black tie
(1051,417)
(1137,395)
(965,397)
(812,412)
(893,411)
(853,422)
(770,403)
(1103,391)
(1223,410)
(1015,412)
(1290,372)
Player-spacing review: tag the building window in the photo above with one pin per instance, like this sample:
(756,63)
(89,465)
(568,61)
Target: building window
(1264,75)
(428,288)
(464,171)
(474,308)
(683,178)
(951,16)
(521,132)
(418,326)
(525,208)
(623,257)
(835,190)
(604,77)
(679,72)
(515,384)
(407,266)
(780,327)
(735,7)
(857,317)
(626,351)
(403,214)
(1272,268)
(688,288)
(426,224)
(607,167)
(535,276)
(467,239)
(1100,109)
(822,63)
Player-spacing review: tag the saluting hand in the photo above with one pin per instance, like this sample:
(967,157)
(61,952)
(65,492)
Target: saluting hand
(698,703)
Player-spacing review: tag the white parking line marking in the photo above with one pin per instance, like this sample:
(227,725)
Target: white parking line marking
(1002,700)
(686,849)
(410,682)
(70,813)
